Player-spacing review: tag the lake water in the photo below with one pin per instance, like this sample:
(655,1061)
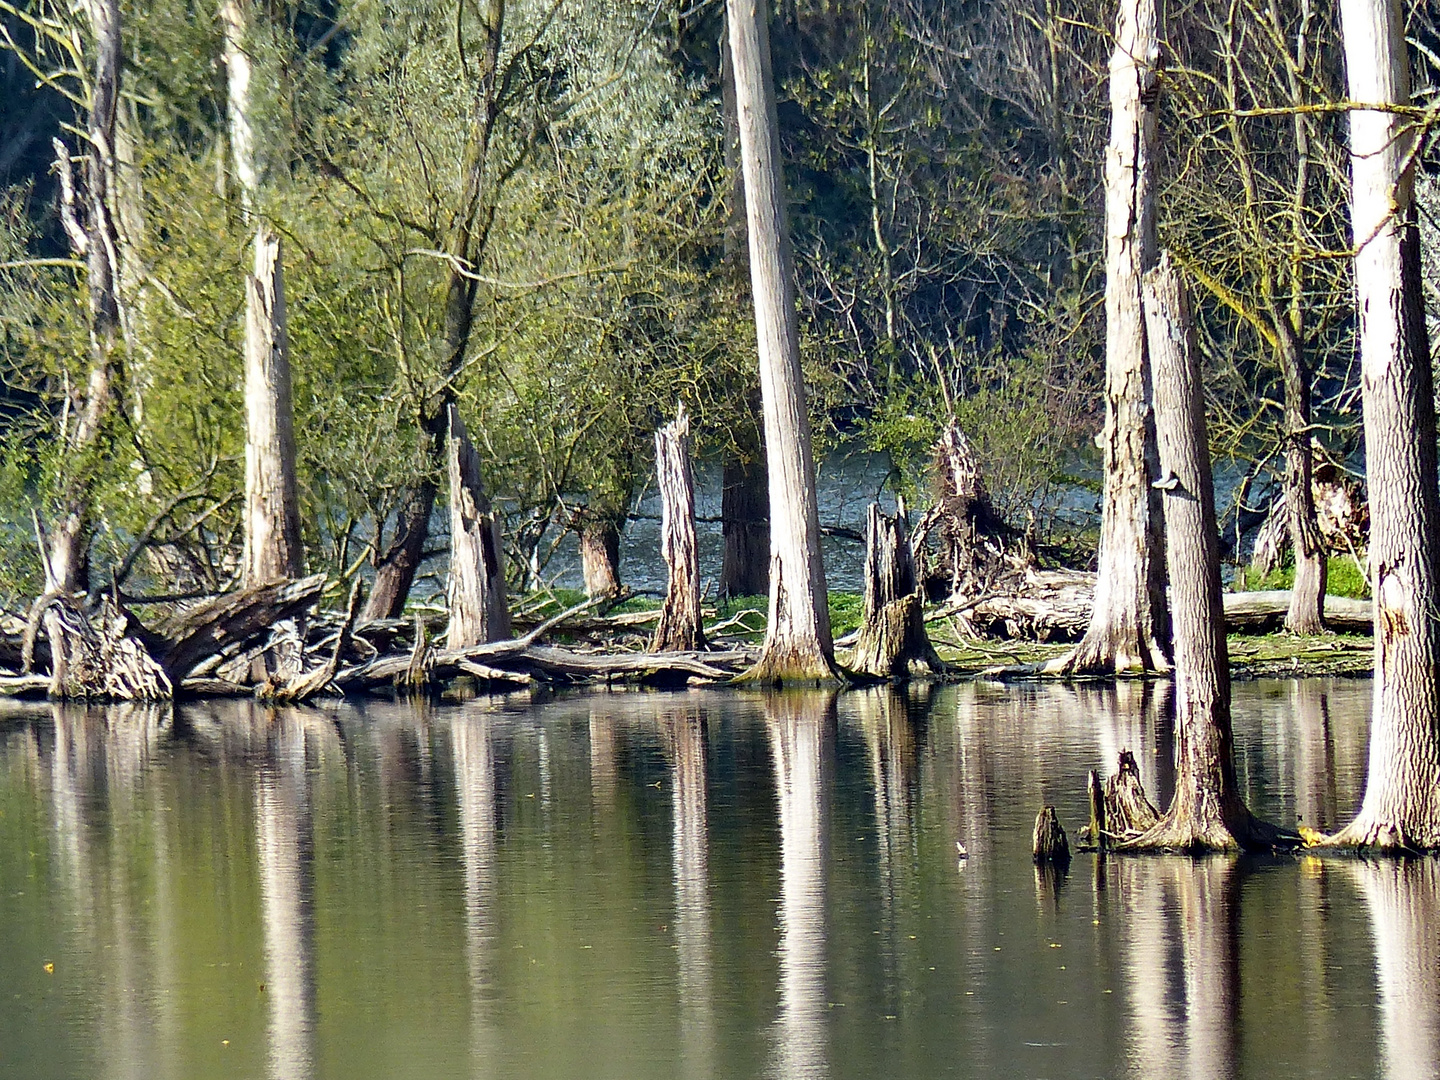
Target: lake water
(706,884)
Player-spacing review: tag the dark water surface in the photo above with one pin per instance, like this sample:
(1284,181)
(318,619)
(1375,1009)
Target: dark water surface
(685,885)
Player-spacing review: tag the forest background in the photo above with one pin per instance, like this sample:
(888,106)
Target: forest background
(944,161)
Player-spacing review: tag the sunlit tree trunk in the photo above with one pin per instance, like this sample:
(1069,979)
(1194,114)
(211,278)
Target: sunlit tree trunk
(680,625)
(797,640)
(479,611)
(744,492)
(1129,624)
(1207,812)
(273,547)
(1402,790)
(67,558)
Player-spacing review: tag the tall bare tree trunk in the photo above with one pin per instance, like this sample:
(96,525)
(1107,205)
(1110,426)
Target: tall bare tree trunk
(744,492)
(1207,812)
(1129,624)
(680,626)
(97,242)
(397,564)
(273,546)
(797,640)
(1402,791)
(479,612)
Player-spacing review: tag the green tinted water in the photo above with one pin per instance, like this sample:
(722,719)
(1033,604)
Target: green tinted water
(685,885)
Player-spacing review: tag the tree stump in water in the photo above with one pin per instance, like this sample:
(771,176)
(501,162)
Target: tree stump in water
(892,641)
(680,628)
(1119,808)
(1049,843)
(479,612)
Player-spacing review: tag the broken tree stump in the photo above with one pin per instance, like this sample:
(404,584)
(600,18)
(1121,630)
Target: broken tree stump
(892,642)
(1049,843)
(1122,811)
(475,593)
(680,628)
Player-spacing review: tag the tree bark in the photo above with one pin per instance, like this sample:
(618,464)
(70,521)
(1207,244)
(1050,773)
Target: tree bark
(1207,812)
(892,642)
(600,553)
(1129,624)
(98,244)
(273,547)
(479,612)
(680,628)
(797,645)
(1401,808)
(1307,596)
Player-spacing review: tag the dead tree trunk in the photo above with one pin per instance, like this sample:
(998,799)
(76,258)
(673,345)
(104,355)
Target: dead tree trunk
(892,642)
(1401,808)
(479,612)
(600,552)
(1129,625)
(972,533)
(273,548)
(1207,812)
(744,492)
(680,628)
(272,541)
(798,645)
(97,242)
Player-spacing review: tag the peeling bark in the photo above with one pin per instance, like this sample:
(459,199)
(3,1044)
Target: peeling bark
(479,611)
(680,627)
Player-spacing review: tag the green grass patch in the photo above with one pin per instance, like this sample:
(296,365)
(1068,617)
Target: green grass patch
(1343,578)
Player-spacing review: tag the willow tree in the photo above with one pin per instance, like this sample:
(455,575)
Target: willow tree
(273,548)
(1129,622)
(1401,808)
(798,645)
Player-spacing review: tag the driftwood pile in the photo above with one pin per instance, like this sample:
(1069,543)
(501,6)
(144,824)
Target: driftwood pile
(270,642)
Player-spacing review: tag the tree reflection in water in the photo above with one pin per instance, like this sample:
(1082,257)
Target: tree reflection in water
(1402,898)
(1180,924)
(472,744)
(285,847)
(800,724)
(682,733)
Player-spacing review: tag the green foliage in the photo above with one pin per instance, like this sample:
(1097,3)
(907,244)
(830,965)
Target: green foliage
(1342,578)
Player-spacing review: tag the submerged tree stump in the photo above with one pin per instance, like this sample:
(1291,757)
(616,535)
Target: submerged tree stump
(892,641)
(479,611)
(680,628)
(1049,843)
(1119,808)
(100,659)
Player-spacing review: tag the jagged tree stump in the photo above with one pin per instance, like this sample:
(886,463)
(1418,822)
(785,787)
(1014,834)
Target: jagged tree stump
(102,659)
(680,628)
(1048,842)
(1119,808)
(479,611)
(892,642)
(973,536)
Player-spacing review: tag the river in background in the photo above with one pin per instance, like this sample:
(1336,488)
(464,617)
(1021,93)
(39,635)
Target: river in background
(692,884)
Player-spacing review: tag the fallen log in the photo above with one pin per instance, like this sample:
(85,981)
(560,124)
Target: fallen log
(1266,610)
(229,621)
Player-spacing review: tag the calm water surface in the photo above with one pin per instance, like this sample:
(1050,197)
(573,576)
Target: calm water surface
(685,885)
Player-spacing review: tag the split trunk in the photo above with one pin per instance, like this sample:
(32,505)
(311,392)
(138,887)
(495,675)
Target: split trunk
(479,612)
(680,628)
